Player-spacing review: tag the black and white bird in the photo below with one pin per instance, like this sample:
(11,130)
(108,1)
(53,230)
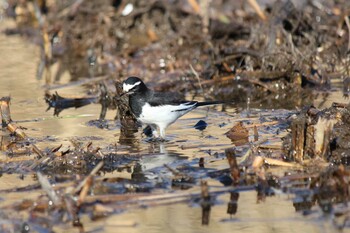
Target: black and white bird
(157,109)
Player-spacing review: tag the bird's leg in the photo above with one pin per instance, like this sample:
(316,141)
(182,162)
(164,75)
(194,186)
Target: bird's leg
(162,133)
(154,131)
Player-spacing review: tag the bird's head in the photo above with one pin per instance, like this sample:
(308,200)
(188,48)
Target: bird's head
(133,85)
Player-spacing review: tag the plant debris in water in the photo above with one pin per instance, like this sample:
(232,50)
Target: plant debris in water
(270,55)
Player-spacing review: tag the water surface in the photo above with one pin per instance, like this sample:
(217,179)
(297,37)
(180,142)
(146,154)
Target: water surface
(18,66)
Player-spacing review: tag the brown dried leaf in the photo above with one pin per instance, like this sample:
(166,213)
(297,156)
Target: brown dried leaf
(238,134)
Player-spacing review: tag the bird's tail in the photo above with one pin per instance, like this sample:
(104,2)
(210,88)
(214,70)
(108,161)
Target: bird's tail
(205,103)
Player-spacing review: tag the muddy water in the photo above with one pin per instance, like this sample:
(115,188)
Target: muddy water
(18,64)
(275,215)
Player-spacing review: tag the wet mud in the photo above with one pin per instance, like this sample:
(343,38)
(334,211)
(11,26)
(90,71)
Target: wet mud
(74,158)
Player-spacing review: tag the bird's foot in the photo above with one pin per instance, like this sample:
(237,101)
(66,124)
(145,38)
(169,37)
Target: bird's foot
(151,132)
(156,139)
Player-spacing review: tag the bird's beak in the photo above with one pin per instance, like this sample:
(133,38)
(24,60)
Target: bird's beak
(127,90)
(126,93)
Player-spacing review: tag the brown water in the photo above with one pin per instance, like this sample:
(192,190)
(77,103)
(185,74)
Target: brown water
(18,64)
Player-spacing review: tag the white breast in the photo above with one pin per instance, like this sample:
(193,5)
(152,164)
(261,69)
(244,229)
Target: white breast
(163,115)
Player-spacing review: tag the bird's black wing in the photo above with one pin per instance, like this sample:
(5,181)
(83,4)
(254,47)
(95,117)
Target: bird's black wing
(171,98)
(166,98)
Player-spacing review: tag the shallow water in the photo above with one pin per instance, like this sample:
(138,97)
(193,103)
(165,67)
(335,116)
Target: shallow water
(275,215)
(18,67)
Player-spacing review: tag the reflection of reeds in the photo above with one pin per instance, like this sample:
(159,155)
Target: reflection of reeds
(13,128)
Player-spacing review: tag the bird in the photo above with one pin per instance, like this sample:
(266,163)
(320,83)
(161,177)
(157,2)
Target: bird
(157,109)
